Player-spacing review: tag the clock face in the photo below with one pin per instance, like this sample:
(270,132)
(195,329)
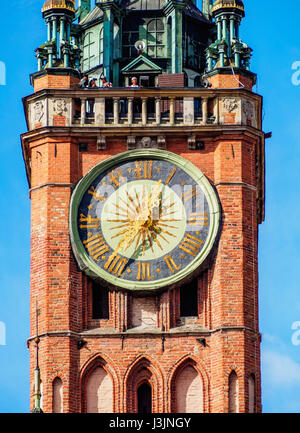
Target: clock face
(143,220)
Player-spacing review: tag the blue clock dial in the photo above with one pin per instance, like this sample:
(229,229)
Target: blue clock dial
(143,221)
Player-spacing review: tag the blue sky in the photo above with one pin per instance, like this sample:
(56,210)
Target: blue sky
(274,37)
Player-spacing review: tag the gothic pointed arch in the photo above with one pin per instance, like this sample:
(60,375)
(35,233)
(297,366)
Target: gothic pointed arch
(252,394)
(233,393)
(57,395)
(99,384)
(143,371)
(188,384)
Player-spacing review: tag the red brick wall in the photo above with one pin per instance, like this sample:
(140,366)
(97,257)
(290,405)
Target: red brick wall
(220,81)
(171,80)
(227,295)
(54,82)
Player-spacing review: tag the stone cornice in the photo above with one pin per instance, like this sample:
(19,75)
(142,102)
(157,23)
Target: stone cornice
(131,333)
(50,184)
(157,92)
(91,132)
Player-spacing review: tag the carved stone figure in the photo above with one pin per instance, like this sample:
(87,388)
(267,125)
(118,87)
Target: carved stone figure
(60,106)
(230,104)
(38,111)
(146,142)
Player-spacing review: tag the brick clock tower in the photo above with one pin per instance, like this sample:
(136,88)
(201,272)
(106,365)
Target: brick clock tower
(145,207)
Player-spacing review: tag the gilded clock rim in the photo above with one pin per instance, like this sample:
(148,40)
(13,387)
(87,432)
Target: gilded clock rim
(89,267)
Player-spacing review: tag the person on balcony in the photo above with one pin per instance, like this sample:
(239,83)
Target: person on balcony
(92,83)
(84,82)
(134,82)
(105,83)
(136,102)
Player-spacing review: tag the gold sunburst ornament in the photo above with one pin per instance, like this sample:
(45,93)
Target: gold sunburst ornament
(143,220)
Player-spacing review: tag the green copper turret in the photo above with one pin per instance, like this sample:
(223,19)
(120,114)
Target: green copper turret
(228,49)
(59,50)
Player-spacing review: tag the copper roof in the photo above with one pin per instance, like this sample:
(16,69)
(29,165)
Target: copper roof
(223,4)
(59,4)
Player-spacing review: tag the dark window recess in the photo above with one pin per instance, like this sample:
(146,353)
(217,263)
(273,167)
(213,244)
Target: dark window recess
(200,145)
(144,395)
(100,302)
(189,299)
(83,147)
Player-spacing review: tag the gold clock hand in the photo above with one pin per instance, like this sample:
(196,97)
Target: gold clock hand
(154,200)
(128,237)
(156,192)
(145,219)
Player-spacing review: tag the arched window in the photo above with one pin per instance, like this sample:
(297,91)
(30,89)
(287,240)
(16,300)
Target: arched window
(88,51)
(251,390)
(156,38)
(101,47)
(189,391)
(57,393)
(233,393)
(143,388)
(144,398)
(99,392)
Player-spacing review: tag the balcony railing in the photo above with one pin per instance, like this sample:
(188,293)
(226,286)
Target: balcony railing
(141,110)
(143,107)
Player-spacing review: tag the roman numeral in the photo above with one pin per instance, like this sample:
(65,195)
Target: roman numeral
(191,245)
(116,178)
(95,195)
(143,169)
(116,264)
(96,246)
(198,219)
(171,176)
(144,272)
(191,194)
(171,264)
(89,222)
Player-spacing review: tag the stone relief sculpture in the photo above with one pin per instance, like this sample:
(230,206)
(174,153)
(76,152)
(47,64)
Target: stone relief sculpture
(230,104)
(146,142)
(38,111)
(60,106)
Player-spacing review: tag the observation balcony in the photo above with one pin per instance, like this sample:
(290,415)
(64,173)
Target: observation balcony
(135,108)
